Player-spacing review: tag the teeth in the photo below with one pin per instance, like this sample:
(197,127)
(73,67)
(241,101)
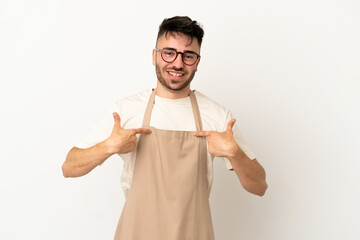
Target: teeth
(175,74)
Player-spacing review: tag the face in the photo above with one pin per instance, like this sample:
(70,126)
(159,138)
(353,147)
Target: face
(175,76)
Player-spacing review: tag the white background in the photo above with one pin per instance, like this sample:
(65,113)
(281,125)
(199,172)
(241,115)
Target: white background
(288,70)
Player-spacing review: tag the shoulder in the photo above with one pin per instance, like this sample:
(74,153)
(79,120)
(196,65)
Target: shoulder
(215,116)
(207,103)
(140,97)
(132,108)
(133,102)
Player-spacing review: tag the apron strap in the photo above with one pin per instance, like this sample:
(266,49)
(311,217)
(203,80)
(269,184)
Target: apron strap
(147,116)
(196,111)
(194,105)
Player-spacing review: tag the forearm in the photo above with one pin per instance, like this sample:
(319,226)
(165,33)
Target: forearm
(81,161)
(250,173)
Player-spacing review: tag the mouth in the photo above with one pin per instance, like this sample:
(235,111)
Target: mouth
(176,75)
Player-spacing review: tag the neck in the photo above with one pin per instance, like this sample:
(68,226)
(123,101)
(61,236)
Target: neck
(164,92)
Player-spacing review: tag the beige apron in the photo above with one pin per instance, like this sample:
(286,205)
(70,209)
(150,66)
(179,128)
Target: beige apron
(169,196)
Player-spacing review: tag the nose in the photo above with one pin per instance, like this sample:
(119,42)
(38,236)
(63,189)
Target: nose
(178,62)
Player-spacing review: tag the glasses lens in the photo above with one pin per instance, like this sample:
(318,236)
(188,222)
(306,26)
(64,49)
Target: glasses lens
(168,55)
(189,58)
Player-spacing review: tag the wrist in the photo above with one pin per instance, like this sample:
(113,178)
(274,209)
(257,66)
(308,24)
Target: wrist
(236,153)
(108,147)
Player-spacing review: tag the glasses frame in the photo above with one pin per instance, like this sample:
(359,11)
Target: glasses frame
(177,53)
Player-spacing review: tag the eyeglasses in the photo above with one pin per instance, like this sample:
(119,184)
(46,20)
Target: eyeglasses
(169,55)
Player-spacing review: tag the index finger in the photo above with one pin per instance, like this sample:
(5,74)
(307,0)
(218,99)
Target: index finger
(142,130)
(202,133)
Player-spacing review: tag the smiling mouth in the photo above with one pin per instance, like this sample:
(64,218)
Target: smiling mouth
(176,74)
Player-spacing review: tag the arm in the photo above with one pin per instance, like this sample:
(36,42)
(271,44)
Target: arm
(250,173)
(81,161)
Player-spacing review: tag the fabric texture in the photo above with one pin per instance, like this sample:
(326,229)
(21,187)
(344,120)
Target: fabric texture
(169,197)
(167,114)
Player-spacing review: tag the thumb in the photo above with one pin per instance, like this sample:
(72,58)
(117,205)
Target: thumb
(230,125)
(117,121)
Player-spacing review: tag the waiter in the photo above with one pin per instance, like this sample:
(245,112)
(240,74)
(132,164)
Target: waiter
(168,138)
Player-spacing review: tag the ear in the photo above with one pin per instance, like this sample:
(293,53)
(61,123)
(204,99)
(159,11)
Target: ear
(154,57)
(197,64)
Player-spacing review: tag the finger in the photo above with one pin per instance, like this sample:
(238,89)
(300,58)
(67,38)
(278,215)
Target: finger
(142,130)
(230,125)
(202,133)
(117,121)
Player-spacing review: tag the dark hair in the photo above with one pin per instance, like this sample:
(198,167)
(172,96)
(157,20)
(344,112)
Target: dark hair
(182,25)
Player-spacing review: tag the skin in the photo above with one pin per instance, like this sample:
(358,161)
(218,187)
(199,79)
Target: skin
(250,173)
(220,144)
(169,86)
(81,161)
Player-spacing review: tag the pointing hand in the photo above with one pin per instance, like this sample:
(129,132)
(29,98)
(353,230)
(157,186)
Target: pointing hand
(123,140)
(220,144)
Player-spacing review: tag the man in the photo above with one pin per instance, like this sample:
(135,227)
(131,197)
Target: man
(167,174)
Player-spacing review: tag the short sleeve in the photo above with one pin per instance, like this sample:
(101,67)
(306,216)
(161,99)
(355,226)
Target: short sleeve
(101,130)
(240,142)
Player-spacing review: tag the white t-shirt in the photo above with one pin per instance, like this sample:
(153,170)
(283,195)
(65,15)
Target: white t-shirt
(168,114)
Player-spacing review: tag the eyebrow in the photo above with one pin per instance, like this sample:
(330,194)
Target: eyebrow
(187,51)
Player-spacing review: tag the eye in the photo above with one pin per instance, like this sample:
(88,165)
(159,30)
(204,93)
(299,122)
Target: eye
(168,53)
(189,56)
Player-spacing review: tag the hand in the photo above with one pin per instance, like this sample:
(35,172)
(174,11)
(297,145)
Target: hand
(123,140)
(221,144)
